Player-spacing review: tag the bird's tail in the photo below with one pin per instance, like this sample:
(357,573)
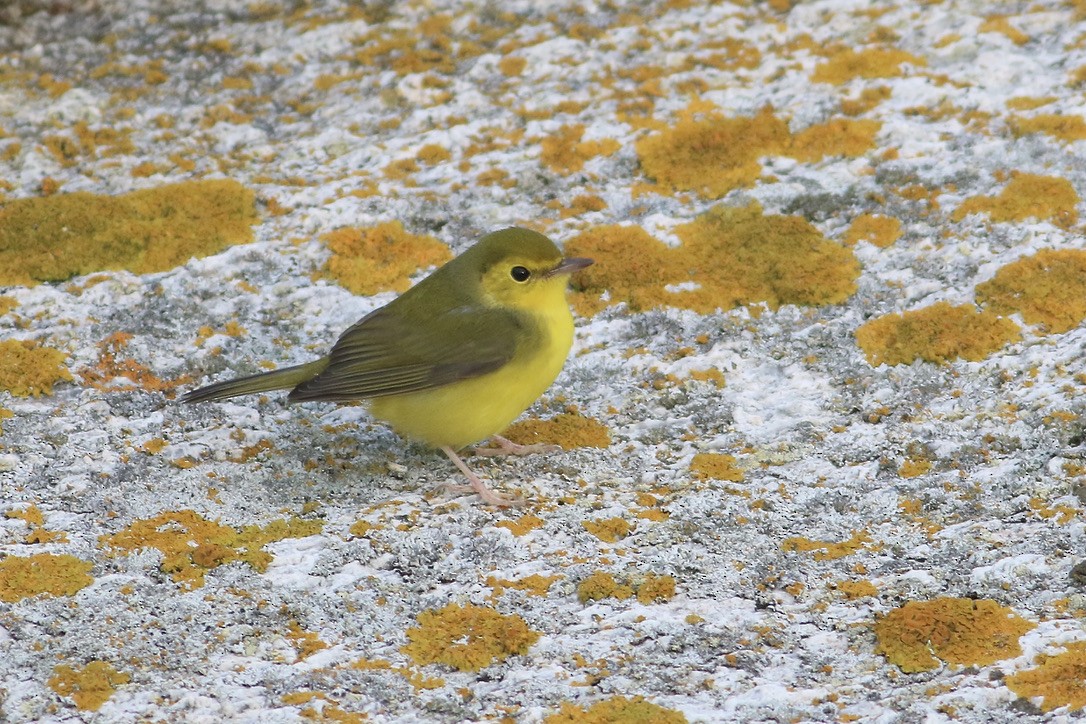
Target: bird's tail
(276,380)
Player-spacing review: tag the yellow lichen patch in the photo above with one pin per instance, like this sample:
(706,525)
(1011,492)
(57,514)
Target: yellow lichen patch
(729,256)
(191,545)
(838,137)
(608,530)
(714,155)
(828,550)
(870,63)
(616,710)
(876,229)
(959,631)
(1061,513)
(467,637)
(1048,288)
(938,333)
(60,236)
(305,643)
(1000,24)
(109,368)
(602,585)
(33,517)
(417,680)
(28,369)
(534,585)
(1059,679)
(1066,128)
(7,303)
(565,152)
(914,468)
(523,525)
(568,430)
(57,575)
(89,687)
(653,588)
(5,413)
(716,466)
(853,590)
(380,258)
(1026,196)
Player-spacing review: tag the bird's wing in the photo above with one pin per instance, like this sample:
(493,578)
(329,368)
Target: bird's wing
(386,354)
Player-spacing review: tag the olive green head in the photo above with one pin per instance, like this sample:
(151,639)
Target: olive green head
(517,267)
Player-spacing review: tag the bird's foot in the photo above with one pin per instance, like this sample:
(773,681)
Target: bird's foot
(477,486)
(508,447)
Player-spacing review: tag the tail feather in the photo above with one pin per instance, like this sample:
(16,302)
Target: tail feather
(283,379)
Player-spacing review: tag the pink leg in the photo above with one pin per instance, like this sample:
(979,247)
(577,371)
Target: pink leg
(478,486)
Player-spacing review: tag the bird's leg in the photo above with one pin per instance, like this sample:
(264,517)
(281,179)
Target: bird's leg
(508,447)
(478,486)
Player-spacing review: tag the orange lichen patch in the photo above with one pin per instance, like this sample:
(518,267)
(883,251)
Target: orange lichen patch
(853,590)
(417,680)
(914,468)
(870,63)
(58,575)
(582,204)
(468,637)
(608,530)
(380,258)
(838,137)
(1026,196)
(1065,128)
(714,155)
(1061,513)
(716,466)
(616,710)
(653,589)
(565,152)
(876,229)
(90,144)
(58,237)
(938,333)
(1028,103)
(1059,679)
(867,99)
(959,631)
(828,550)
(1048,288)
(729,256)
(33,517)
(568,430)
(433,153)
(521,526)
(109,368)
(305,643)
(512,66)
(27,369)
(534,585)
(1000,24)
(191,545)
(601,585)
(89,687)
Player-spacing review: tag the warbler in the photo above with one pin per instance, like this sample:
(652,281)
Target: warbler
(453,360)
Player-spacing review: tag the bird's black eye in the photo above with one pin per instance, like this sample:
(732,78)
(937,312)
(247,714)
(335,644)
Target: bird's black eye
(520,273)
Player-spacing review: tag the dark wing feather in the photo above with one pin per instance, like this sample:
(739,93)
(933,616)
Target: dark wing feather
(388,354)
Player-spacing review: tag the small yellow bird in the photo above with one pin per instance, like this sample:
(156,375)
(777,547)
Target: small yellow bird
(454,359)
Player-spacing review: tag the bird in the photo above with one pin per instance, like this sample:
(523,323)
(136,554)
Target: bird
(454,359)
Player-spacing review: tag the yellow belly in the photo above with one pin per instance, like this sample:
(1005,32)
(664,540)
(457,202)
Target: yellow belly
(466,412)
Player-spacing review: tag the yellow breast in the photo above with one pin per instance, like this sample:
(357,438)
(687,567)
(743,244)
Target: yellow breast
(466,412)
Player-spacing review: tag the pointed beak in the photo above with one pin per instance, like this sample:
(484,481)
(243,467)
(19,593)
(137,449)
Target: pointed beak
(569,265)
